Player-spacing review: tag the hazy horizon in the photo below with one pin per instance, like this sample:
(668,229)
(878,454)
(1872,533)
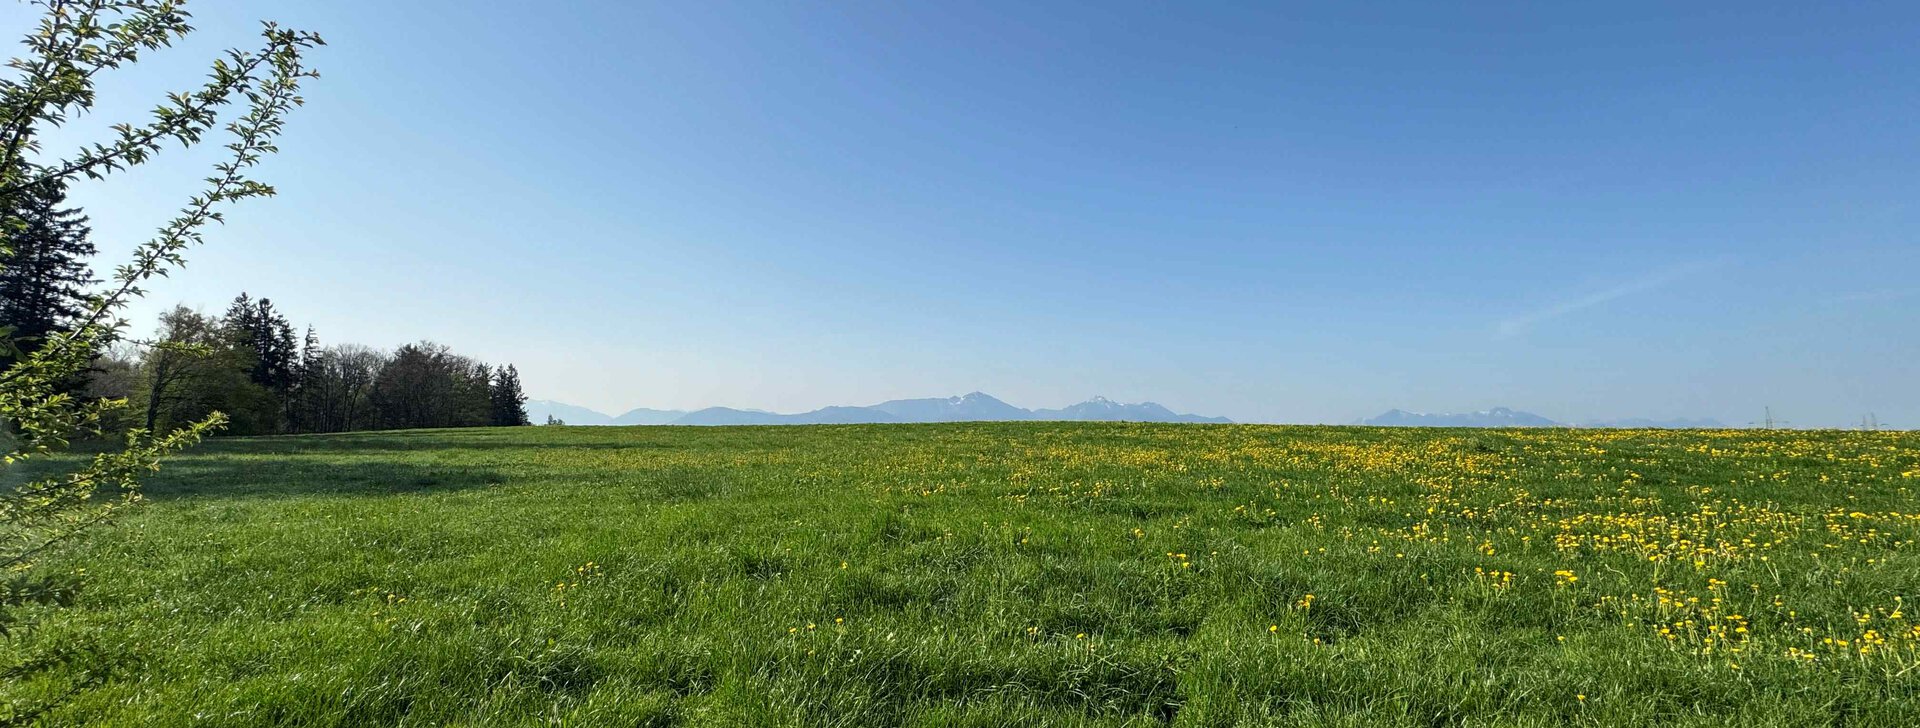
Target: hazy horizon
(540,406)
(1272,215)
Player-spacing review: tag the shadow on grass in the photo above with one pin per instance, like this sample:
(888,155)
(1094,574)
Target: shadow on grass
(414,441)
(213,476)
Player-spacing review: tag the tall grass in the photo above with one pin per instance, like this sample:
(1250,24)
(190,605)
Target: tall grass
(1009,575)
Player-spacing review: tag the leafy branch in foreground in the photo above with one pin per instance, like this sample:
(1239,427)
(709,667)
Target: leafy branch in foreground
(42,506)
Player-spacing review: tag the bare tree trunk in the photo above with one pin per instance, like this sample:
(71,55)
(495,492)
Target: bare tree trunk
(162,376)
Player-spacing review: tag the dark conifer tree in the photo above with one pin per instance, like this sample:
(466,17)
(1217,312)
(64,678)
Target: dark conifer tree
(278,351)
(257,328)
(268,354)
(299,400)
(309,355)
(44,278)
(509,403)
(240,314)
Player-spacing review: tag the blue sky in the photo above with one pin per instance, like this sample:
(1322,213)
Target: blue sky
(1273,213)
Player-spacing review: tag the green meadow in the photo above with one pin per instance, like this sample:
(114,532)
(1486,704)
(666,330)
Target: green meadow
(1007,574)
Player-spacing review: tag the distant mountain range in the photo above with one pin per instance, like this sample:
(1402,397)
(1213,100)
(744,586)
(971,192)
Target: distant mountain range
(1496,417)
(1504,417)
(538,410)
(979,407)
(975,407)
(644,416)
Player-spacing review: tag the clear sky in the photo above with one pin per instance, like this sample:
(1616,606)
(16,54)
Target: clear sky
(1268,212)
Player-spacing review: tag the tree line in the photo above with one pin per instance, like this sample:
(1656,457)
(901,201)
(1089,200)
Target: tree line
(246,363)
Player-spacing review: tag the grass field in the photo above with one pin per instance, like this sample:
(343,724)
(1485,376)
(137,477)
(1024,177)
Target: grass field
(1007,575)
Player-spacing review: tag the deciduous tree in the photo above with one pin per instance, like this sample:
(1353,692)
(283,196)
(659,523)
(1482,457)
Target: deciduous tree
(74,42)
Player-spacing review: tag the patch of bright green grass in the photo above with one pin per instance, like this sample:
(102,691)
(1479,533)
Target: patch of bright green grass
(1005,575)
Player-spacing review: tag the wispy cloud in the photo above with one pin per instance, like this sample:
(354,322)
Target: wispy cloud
(1523,323)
